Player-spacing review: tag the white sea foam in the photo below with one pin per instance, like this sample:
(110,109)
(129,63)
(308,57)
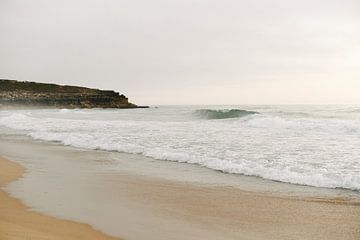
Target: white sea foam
(295,148)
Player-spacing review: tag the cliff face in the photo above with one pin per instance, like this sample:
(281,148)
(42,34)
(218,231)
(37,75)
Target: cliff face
(31,94)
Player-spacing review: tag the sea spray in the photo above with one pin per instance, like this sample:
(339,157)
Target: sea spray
(301,149)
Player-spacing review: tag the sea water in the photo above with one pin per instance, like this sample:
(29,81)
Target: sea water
(308,145)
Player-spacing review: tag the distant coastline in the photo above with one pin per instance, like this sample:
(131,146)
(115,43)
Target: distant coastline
(24,94)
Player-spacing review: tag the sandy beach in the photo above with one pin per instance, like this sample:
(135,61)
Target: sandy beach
(179,120)
(17,222)
(149,207)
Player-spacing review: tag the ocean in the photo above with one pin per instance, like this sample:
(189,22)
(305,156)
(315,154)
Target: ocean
(304,144)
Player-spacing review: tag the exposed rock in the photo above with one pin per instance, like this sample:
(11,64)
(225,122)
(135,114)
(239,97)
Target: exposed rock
(30,94)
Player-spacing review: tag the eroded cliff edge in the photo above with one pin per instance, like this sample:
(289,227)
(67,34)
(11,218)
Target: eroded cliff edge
(32,94)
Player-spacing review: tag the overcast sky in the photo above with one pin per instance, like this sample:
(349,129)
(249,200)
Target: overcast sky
(188,52)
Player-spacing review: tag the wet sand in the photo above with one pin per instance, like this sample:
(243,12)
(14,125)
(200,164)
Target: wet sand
(18,223)
(132,204)
(249,215)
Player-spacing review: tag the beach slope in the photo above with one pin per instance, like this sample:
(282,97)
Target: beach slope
(18,223)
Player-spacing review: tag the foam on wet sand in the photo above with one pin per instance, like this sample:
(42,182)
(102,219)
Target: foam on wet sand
(83,186)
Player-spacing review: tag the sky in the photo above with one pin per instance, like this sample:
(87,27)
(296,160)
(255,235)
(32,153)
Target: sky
(188,52)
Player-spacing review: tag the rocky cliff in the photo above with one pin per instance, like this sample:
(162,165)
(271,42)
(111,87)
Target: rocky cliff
(31,94)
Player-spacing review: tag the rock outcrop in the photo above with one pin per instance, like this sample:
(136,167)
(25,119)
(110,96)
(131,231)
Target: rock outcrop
(31,94)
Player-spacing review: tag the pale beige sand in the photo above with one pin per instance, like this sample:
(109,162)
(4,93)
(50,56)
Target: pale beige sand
(18,223)
(247,215)
(200,211)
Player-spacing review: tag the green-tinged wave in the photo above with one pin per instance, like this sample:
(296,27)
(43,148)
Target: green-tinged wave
(222,114)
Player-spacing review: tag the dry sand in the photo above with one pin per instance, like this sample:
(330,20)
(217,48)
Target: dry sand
(18,223)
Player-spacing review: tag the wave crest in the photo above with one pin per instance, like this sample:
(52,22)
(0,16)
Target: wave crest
(222,114)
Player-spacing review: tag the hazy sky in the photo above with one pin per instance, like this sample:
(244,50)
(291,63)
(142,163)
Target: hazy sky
(188,52)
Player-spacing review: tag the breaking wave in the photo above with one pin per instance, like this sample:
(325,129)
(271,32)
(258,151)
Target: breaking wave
(222,114)
(320,152)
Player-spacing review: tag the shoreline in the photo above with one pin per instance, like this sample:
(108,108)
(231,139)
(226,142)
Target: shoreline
(18,222)
(120,192)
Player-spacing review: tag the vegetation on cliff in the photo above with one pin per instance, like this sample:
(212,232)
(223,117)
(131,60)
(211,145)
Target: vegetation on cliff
(21,94)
